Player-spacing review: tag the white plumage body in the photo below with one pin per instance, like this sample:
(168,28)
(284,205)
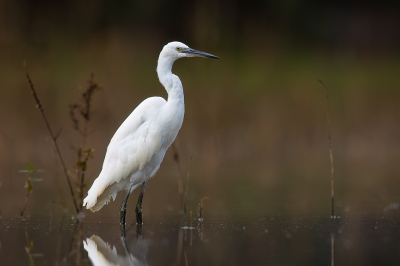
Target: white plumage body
(138,147)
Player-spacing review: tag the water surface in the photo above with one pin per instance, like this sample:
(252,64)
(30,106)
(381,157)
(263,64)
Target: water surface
(247,240)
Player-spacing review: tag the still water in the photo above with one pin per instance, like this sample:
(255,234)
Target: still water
(247,240)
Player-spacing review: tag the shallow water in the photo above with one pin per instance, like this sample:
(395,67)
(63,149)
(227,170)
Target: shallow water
(247,240)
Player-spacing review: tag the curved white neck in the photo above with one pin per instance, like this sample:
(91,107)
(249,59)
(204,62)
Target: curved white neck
(171,82)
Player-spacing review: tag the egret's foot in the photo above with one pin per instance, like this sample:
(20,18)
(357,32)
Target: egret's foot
(122,217)
(122,230)
(139,217)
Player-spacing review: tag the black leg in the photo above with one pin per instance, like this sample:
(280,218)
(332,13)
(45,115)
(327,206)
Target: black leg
(138,210)
(122,209)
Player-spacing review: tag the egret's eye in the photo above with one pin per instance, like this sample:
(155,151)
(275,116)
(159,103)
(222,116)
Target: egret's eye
(179,49)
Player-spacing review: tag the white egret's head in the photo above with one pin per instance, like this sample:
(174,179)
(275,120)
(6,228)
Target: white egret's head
(171,52)
(176,50)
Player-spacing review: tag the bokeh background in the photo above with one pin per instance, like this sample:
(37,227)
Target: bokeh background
(255,122)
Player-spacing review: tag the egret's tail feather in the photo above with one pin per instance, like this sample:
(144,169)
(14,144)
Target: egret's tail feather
(95,203)
(98,195)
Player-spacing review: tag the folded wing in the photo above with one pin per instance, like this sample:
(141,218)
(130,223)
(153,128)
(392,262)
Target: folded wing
(132,147)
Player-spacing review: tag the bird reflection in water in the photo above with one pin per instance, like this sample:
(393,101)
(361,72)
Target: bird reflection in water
(101,254)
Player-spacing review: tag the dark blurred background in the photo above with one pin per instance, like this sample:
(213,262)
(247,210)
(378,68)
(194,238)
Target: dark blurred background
(255,120)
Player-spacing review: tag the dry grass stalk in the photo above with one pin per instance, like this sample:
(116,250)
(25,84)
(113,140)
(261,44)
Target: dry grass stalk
(82,166)
(54,139)
(84,108)
(328,123)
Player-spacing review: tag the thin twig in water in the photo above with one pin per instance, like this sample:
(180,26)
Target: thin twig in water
(53,137)
(82,166)
(191,226)
(179,249)
(332,249)
(200,208)
(328,122)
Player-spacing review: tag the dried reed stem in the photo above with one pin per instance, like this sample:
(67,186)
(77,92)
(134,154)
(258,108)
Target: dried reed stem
(54,138)
(179,177)
(328,123)
(187,187)
(81,174)
(332,249)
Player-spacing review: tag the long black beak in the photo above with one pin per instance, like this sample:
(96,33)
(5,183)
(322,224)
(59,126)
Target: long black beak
(194,52)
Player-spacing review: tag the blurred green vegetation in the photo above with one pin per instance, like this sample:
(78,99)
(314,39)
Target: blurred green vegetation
(255,120)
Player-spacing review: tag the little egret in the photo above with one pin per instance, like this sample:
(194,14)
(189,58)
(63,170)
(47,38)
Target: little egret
(138,147)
